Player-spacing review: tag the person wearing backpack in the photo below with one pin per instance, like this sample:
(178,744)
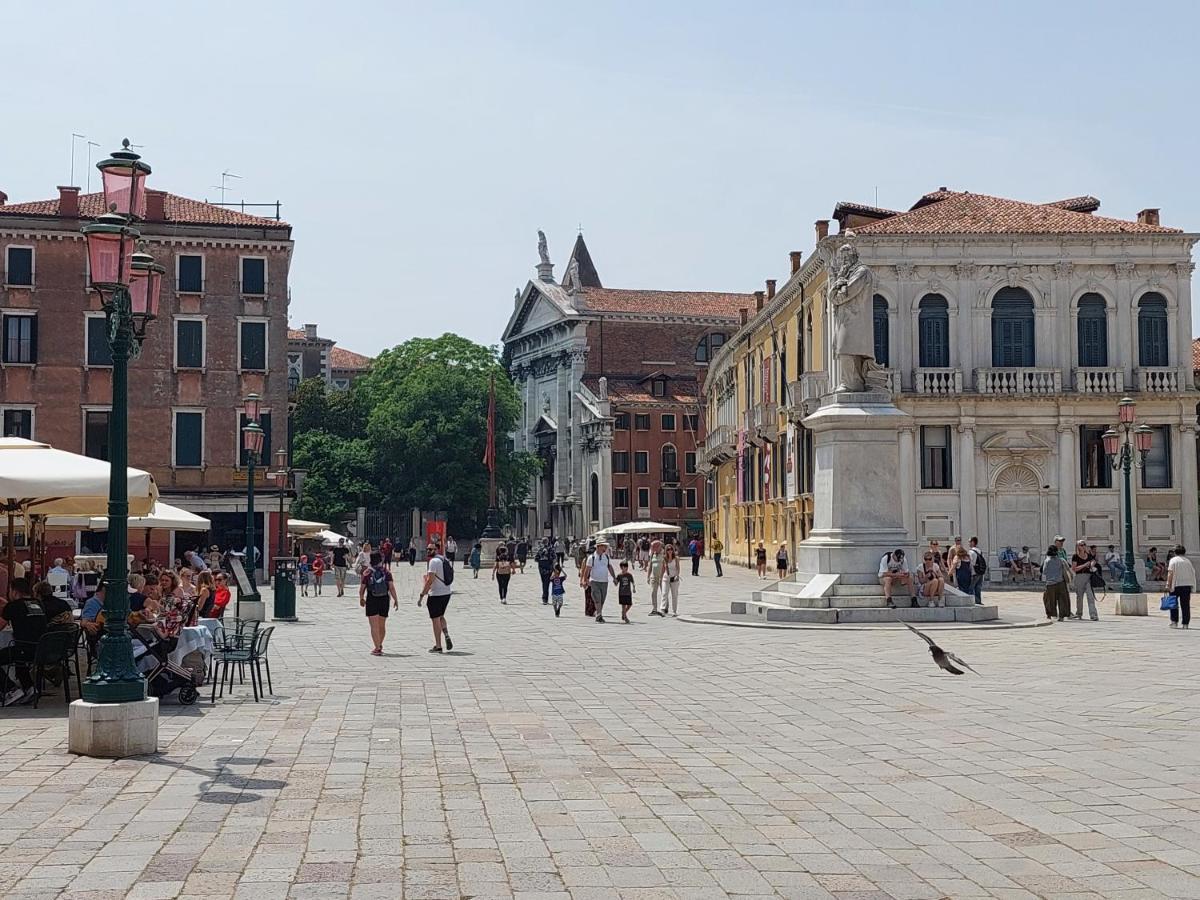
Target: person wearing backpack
(438,578)
(979,565)
(374,591)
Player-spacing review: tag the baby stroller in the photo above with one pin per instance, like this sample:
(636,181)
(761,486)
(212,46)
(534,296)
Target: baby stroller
(165,676)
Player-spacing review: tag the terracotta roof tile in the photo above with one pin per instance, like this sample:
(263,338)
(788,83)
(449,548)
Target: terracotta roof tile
(181,210)
(667,303)
(862,209)
(629,390)
(347,359)
(1084,204)
(962,212)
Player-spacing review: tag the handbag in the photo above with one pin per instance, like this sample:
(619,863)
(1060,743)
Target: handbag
(1169,601)
(1098,580)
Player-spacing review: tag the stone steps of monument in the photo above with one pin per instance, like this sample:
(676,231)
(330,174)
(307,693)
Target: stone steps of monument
(849,596)
(773,612)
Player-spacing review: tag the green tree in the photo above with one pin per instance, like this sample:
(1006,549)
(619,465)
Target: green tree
(412,433)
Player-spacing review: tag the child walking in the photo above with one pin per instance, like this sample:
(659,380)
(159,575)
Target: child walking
(625,590)
(302,571)
(318,571)
(557,591)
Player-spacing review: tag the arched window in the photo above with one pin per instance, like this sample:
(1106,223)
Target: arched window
(1152,330)
(1012,328)
(879,316)
(1093,331)
(595,491)
(933,321)
(670,463)
(708,346)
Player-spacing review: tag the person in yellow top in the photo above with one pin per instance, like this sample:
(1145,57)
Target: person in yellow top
(717,549)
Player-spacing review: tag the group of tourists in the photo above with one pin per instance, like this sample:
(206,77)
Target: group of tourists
(964,567)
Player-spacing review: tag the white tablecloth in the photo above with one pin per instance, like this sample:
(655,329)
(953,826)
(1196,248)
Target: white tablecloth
(197,637)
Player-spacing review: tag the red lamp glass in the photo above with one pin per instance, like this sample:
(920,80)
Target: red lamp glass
(251,406)
(252,438)
(110,245)
(281,460)
(1143,438)
(124,177)
(1112,442)
(1126,411)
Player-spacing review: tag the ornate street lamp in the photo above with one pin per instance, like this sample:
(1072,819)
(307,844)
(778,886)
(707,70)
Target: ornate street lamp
(1127,450)
(129,284)
(252,443)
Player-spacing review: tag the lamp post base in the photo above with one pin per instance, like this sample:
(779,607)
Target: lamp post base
(113,730)
(1131,605)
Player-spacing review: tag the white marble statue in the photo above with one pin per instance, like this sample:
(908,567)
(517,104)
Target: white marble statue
(851,289)
(543,248)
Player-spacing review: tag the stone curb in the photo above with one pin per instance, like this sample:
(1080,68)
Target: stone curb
(880,626)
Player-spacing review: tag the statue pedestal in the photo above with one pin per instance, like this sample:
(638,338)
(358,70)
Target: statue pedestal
(856,491)
(487,551)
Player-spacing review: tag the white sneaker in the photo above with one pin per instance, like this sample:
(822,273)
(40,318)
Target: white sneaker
(14,696)
(28,696)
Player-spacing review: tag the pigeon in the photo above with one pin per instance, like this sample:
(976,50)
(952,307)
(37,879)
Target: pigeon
(944,658)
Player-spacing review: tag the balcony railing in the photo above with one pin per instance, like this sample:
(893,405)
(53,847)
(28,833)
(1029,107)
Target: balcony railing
(938,382)
(892,382)
(1160,380)
(763,418)
(720,443)
(1096,380)
(805,393)
(670,476)
(1019,382)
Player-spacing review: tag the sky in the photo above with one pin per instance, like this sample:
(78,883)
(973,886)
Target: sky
(418,147)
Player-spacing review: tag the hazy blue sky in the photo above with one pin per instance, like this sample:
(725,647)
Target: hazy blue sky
(417,148)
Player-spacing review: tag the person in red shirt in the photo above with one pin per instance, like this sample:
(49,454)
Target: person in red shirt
(221,595)
(386,549)
(318,571)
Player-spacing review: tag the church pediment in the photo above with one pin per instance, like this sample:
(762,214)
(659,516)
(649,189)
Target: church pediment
(1016,443)
(539,305)
(545,425)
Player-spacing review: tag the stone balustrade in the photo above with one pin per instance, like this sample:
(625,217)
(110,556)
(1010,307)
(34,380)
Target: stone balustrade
(1160,380)
(1100,380)
(938,382)
(1018,381)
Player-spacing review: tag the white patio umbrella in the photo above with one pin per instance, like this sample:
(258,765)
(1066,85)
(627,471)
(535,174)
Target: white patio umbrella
(38,480)
(640,528)
(303,526)
(161,516)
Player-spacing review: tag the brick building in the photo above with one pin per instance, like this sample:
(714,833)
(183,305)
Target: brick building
(610,382)
(311,356)
(221,334)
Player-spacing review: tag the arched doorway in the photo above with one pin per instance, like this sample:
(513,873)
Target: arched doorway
(1015,512)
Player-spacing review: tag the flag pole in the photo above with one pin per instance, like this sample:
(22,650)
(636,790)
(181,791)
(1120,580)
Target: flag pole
(492,530)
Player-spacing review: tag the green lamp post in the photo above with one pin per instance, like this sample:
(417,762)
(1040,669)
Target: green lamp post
(252,444)
(1126,455)
(129,283)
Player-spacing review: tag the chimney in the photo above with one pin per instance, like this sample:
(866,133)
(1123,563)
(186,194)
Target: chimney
(822,229)
(770,288)
(1148,216)
(156,206)
(3,198)
(310,332)
(744,314)
(68,202)
(796,256)
(758,300)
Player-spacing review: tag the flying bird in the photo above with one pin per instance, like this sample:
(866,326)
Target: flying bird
(944,658)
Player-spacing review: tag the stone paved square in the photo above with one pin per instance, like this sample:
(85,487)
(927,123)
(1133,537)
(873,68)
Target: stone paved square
(553,757)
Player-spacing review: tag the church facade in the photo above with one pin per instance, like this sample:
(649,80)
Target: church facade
(610,387)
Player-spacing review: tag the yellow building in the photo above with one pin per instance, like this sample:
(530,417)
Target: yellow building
(759,386)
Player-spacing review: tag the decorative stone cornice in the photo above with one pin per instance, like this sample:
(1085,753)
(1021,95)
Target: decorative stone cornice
(1125,269)
(1063,269)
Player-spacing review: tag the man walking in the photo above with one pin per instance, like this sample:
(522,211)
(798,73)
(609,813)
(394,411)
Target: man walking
(694,553)
(340,552)
(597,572)
(717,549)
(374,590)
(438,578)
(1181,581)
(544,556)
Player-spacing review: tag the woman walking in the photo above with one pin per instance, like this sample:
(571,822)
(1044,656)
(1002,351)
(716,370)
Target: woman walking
(781,561)
(655,574)
(1056,598)
(1083,564)
(502,571)
(671,581)
(474,558)
(318,571)
(760,560)
(375,588)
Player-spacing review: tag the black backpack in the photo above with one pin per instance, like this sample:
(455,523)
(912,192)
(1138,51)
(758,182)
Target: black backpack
(447,571)
(980,567)
(377,582)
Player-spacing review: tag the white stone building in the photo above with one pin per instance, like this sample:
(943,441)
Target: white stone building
(1010,330)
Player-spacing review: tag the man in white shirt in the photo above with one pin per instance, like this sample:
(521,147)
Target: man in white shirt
(1181,581)
(894,570)
(59,578)
(598,571)
(437,588)
(1114,563)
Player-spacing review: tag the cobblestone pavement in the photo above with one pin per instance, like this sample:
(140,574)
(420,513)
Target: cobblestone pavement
(550,758)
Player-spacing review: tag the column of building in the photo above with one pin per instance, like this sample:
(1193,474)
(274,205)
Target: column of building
(1126,333)
(966,481)
(1183,332)
(908,479)
(606,488)
(1067,526)
(1187,486)
(1060,301)
(968,290)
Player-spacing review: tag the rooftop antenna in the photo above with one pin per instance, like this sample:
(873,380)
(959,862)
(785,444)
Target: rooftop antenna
(91,144)
(74,138)
(876,195)
(224,175)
